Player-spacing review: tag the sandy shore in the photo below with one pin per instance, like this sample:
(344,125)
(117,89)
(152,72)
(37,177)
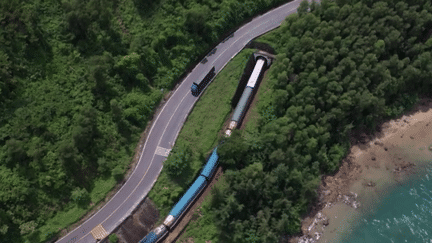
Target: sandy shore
(374,166)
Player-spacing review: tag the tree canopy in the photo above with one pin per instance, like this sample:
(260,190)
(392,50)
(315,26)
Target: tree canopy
(79,81)
(341,65)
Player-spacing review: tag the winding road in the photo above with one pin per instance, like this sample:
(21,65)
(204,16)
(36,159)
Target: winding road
(165,130)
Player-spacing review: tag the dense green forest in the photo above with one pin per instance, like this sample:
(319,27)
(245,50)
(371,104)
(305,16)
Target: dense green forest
(343,66)
(79,80)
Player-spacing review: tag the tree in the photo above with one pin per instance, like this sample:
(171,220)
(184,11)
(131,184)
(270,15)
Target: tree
(280,100)
(116,109)
(313,5)
(117,173)
(78,21)
(130,66)
(276,157)
(196,18)
(86,128)
(81,197)
(233,152)
(3,227)
(178,160)
(81,15)
(336,154)
(28,227)
(14,189)
(379,47)
(282,79)
(303,8)
(99,67)
(16,151)
(103,166)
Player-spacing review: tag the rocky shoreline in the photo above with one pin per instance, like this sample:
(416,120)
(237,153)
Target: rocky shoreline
(375,163)
(315,230)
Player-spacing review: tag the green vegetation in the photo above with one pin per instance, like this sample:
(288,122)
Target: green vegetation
(200,134)
(346,65)
(79,81)
(80,196)
(178,161)
(113,238)
(204,228)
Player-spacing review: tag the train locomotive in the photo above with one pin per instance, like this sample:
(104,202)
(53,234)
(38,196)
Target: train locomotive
(191,194)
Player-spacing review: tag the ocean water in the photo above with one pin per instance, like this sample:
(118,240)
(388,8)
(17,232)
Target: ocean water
(402,215)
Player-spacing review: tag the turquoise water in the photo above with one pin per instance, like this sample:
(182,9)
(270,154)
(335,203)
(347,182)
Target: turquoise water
(404,215)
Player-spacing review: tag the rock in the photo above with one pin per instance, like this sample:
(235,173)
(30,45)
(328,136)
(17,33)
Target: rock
(326,222)
(379,143)
(385,148)
(411,137)
(355,204)
(317,235)
(373,158)
(346,198)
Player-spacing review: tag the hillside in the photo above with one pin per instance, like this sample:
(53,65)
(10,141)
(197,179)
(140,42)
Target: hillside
(341,70)
(79,81)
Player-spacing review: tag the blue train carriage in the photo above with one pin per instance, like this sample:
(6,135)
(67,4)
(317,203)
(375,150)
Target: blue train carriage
(184,202)
(155,235)
(211,165)
(196,88)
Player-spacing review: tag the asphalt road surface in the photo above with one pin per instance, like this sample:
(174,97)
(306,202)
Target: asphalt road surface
(165,130)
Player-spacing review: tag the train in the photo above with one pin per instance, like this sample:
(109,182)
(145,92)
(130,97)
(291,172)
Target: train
(181,206)
(196,88)
(246,97)
(262,61)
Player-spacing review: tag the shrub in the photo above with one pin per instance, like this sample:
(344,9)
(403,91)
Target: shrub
(178,160)
(113,238)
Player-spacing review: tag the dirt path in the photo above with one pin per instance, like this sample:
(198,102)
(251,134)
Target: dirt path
(142,221)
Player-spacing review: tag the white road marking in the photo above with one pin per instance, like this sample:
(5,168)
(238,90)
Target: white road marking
(151,162)
(238,40)
(99,232)
(157,118)
(162,151)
